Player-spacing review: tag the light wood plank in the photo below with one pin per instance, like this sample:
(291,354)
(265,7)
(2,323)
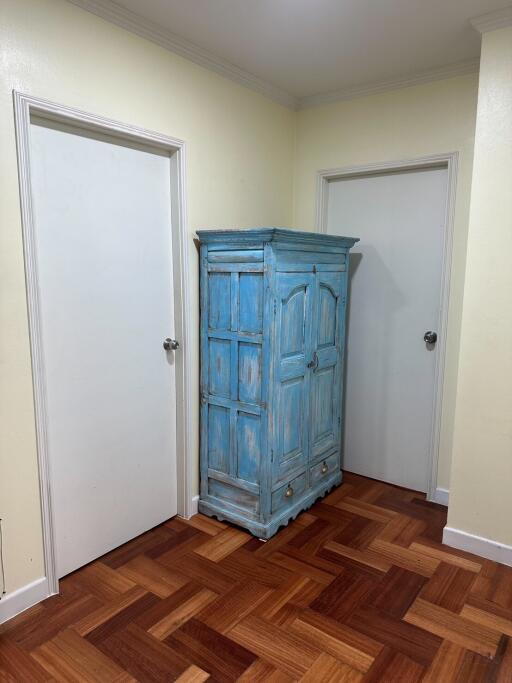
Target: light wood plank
(222,545)
(181,614)
(99,616)
(327,669)
(453,627)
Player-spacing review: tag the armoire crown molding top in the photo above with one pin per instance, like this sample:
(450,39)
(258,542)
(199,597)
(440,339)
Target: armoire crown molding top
(130,21)
(491,21)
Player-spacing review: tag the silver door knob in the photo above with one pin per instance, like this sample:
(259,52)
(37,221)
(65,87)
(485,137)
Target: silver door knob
(430,337)
(171,344)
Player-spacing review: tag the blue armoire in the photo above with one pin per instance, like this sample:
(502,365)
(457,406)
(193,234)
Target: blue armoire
(273,305)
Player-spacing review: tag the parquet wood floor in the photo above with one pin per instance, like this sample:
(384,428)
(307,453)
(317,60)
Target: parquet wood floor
(357,589)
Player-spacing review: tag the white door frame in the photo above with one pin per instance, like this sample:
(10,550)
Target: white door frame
(450,162)
(25,107)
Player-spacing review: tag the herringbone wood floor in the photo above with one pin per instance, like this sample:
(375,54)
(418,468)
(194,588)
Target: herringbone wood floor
(359,588)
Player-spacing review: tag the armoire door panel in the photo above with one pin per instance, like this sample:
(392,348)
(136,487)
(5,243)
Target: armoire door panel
(249,372)
(219,380)
(294,316)
(326,376)
(250,302)
(219,297)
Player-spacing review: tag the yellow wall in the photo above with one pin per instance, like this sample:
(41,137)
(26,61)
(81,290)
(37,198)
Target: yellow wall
(242,150)
(403,124)
(481,499)
(240,157)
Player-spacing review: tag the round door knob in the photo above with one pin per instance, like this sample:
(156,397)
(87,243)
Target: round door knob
(289,492)
(171,344)
(430,337)
(324,468)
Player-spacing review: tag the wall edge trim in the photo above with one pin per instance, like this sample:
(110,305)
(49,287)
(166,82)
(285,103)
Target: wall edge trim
(441,496)
(379,87)
(478,545)
(134,23)
(23,598)
(490,21)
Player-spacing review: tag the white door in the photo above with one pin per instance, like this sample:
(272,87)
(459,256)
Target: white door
(395,298)
(103,236)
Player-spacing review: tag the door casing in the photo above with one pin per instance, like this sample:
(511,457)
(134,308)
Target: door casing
(450,162)
(25,107)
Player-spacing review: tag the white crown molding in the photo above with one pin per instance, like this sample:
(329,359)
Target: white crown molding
(130,21)
(353,92)
(115,14)
(491,21)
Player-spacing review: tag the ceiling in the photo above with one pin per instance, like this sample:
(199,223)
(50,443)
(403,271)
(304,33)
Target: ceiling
(300,49)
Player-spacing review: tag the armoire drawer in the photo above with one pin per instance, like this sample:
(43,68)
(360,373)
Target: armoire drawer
(324,469)
(289,493)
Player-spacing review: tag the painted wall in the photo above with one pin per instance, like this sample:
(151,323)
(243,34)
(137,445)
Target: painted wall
(481,501)
(240,156)
(402,124)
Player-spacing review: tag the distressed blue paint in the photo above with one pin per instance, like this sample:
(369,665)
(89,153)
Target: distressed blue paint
(249,446)
(218,438)
(249,372)
(273,307)
(219,312)
(251,302)
(218,365)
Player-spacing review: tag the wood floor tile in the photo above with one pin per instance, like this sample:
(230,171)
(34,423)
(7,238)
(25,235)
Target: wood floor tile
(217,654)
(152,576)
(227,610)
(69,657)
(285,650)
(144,657)
(446,664)
(476,637)
(445,556)
(327,669)
(333,643)
(396,592)
(395,667)
(263,672)
(181,614)
(415,643)
(449,587)
(193,675)
(358,589)
(105,612)
(223,544)
(405,558)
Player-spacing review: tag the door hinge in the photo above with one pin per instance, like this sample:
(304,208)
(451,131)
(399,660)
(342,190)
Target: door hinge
(314,269)
(271,455)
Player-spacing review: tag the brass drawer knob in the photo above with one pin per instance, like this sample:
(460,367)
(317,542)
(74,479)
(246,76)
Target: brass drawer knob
(289,492)
(324,468)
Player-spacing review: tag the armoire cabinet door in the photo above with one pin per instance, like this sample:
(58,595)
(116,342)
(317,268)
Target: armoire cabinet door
(294,344)
(326,376)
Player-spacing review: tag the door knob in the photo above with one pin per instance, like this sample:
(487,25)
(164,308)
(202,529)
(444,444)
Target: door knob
(171,344)
(430,337)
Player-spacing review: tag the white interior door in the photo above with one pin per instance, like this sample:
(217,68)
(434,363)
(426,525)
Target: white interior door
(103,240)
(395,298)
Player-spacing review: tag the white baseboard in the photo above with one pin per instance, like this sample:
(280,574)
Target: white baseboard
(23,598)
(195,506)
(441,496)
(485,547)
